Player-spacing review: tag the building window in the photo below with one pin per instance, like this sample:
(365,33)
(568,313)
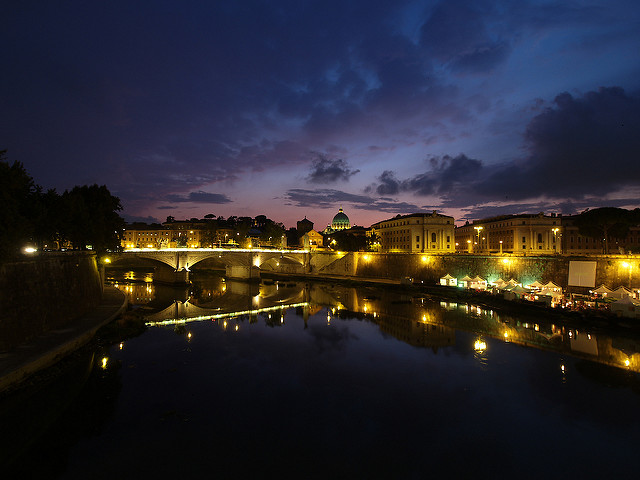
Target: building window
(417,238)
(539,238)
(448,239)
(433,237)
(524,240)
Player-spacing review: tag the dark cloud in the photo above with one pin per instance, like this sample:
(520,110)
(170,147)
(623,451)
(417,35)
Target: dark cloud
(580,148)
(462,34)
(568,207)
(389,184)
(447,174)
(325,170)
(392,207)
(322,198)
(328,198)
(199,197)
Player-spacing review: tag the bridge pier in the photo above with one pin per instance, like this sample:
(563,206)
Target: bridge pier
(170,276)
(244,273)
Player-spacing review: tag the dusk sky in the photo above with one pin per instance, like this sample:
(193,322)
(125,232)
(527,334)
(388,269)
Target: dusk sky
(296,108)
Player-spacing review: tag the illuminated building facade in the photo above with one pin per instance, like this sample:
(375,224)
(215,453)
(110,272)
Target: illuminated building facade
(416,233)
(312,240)
(340,222)
(147,236)
(533,234)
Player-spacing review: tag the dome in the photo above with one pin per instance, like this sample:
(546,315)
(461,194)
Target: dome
(340,221)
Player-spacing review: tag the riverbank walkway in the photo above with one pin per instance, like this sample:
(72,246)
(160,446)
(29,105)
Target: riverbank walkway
(49,347)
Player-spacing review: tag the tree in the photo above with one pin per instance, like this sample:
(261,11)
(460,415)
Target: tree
(91,218)
(605,222)
(272,232)
(19,200)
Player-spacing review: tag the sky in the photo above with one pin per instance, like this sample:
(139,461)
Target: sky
(293,109)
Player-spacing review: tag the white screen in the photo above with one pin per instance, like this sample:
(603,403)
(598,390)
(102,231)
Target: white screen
(582,274)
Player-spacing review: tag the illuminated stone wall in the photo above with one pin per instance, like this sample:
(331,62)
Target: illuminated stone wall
(46,293)
(612,270)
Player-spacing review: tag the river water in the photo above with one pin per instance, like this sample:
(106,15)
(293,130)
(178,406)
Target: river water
(313,380)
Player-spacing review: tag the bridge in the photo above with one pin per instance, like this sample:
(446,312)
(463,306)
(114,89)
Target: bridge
(238,263)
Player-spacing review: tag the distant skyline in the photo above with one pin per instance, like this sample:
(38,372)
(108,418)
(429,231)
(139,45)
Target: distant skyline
(297,108)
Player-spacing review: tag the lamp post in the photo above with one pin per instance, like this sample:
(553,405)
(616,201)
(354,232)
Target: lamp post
(555,239)
(478,230)
(500,247)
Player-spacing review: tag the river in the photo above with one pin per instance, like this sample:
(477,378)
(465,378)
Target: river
(316,380)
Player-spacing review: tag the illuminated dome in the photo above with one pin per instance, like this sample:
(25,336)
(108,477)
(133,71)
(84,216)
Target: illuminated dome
(340,221)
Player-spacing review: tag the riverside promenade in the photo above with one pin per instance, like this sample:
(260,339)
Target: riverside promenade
(49,347)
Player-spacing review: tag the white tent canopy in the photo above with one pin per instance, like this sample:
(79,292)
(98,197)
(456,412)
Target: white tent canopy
(603,290)
(620,293)
(448,280)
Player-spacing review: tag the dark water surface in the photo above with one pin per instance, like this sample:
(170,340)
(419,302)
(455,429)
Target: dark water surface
(359,383)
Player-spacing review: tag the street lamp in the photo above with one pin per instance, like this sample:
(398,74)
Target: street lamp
(500,247)
(555,238)
(478,230)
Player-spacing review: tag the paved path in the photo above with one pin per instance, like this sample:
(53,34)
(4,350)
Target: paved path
(49,347)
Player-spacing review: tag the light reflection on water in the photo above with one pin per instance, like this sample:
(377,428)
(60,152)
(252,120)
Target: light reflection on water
(420,321)
(323,381)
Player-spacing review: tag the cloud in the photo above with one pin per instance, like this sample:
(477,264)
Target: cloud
(322,198)
(578,149)
(389,184)
(325,170)
(463,35)
(328,198)
(199,197)
(581,146)
(447,174)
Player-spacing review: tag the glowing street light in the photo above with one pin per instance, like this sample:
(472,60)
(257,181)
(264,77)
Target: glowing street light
(478,230)
(555,238)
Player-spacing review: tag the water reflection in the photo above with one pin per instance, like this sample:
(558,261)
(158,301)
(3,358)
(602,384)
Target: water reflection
(418,321)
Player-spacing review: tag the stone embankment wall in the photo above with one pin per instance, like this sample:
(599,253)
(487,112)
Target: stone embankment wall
(46,293)
(611,270)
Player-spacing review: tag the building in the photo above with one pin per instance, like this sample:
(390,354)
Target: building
(533,234)
(340,222)
(146,236)
(312,240)
(303,226)
(417,232)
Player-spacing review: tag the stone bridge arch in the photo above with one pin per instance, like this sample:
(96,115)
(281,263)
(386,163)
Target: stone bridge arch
(239,263)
